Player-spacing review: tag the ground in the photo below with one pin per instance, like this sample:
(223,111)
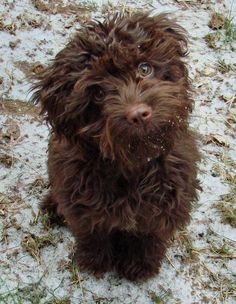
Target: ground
(36,259)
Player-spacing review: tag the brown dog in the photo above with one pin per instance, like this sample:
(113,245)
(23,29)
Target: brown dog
(122,161)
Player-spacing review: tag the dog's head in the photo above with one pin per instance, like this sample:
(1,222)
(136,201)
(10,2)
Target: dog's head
(120,87)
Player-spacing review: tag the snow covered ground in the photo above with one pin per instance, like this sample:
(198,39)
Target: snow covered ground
(36,259)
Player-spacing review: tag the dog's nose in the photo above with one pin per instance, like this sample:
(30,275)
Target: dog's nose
(139,113)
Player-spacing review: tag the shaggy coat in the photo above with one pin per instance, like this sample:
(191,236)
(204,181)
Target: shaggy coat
(122,182)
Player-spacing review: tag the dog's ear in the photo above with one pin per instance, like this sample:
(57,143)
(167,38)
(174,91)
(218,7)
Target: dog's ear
(180,35)
(174,33)
(54,86)
(165,35)
(171,45)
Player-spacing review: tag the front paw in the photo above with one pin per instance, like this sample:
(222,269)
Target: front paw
(48,207)
(94,262)
(138,270)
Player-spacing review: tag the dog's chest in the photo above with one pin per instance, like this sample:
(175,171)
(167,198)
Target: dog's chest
(128,204)
(132,201)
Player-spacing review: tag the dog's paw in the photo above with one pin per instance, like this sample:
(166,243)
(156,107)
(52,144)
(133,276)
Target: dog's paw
(48,208)
(95,263)
(137,270)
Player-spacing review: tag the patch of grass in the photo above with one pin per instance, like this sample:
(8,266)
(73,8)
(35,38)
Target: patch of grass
(83,7)
(12,131)
(227,203)
(227,170)
(217,21)
(27,21)
(7,160)
(223,67)
(38,186)
(225,31)
(80,11)
(221,284)
(5,201)
(32,243)
(39,182)
(30,293)
(216,170)
(3,231)
(230,30)
(33,293)
(102,300)
(10,28)
(163,297)
(184,239)
(18,107)
(46,221)
(222,249)
(227,207)
(40,5)
(155,298)
(122,6)
(73,269)
(217,140)
(211,40)
(65,300)
(228,288)
(30,69)
(228,161)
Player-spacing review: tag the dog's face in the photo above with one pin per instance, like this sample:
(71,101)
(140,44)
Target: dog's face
(120,87)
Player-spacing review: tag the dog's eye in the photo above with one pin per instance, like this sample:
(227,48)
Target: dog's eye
(145,69)
(98,94)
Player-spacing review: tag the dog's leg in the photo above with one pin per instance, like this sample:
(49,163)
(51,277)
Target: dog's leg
(137,257)
(50,206)
(94,253)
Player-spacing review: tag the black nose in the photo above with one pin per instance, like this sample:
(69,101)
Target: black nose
(139,113)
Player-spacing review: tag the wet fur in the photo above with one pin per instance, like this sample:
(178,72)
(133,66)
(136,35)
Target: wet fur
(122,191)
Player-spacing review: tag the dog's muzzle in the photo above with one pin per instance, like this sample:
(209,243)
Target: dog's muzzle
(139,114)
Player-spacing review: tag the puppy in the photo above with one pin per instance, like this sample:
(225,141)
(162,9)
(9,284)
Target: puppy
(122,160)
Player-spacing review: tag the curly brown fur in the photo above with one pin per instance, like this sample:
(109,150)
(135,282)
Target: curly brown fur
(123,189)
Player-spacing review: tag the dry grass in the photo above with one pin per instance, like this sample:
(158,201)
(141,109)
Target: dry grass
(230,30)
(185,240)
(225,31)
(40,5)
(211,40)
(73,268)
(10,28)
(227,207)
(57,7)
(32,244)
(31,293)
(223,67)
(18,107)
(217,21)
(227,203)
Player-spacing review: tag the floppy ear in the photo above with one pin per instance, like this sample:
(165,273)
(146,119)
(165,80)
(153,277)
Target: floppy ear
(55,84)
(180,35)
(165,36)
(175,33)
